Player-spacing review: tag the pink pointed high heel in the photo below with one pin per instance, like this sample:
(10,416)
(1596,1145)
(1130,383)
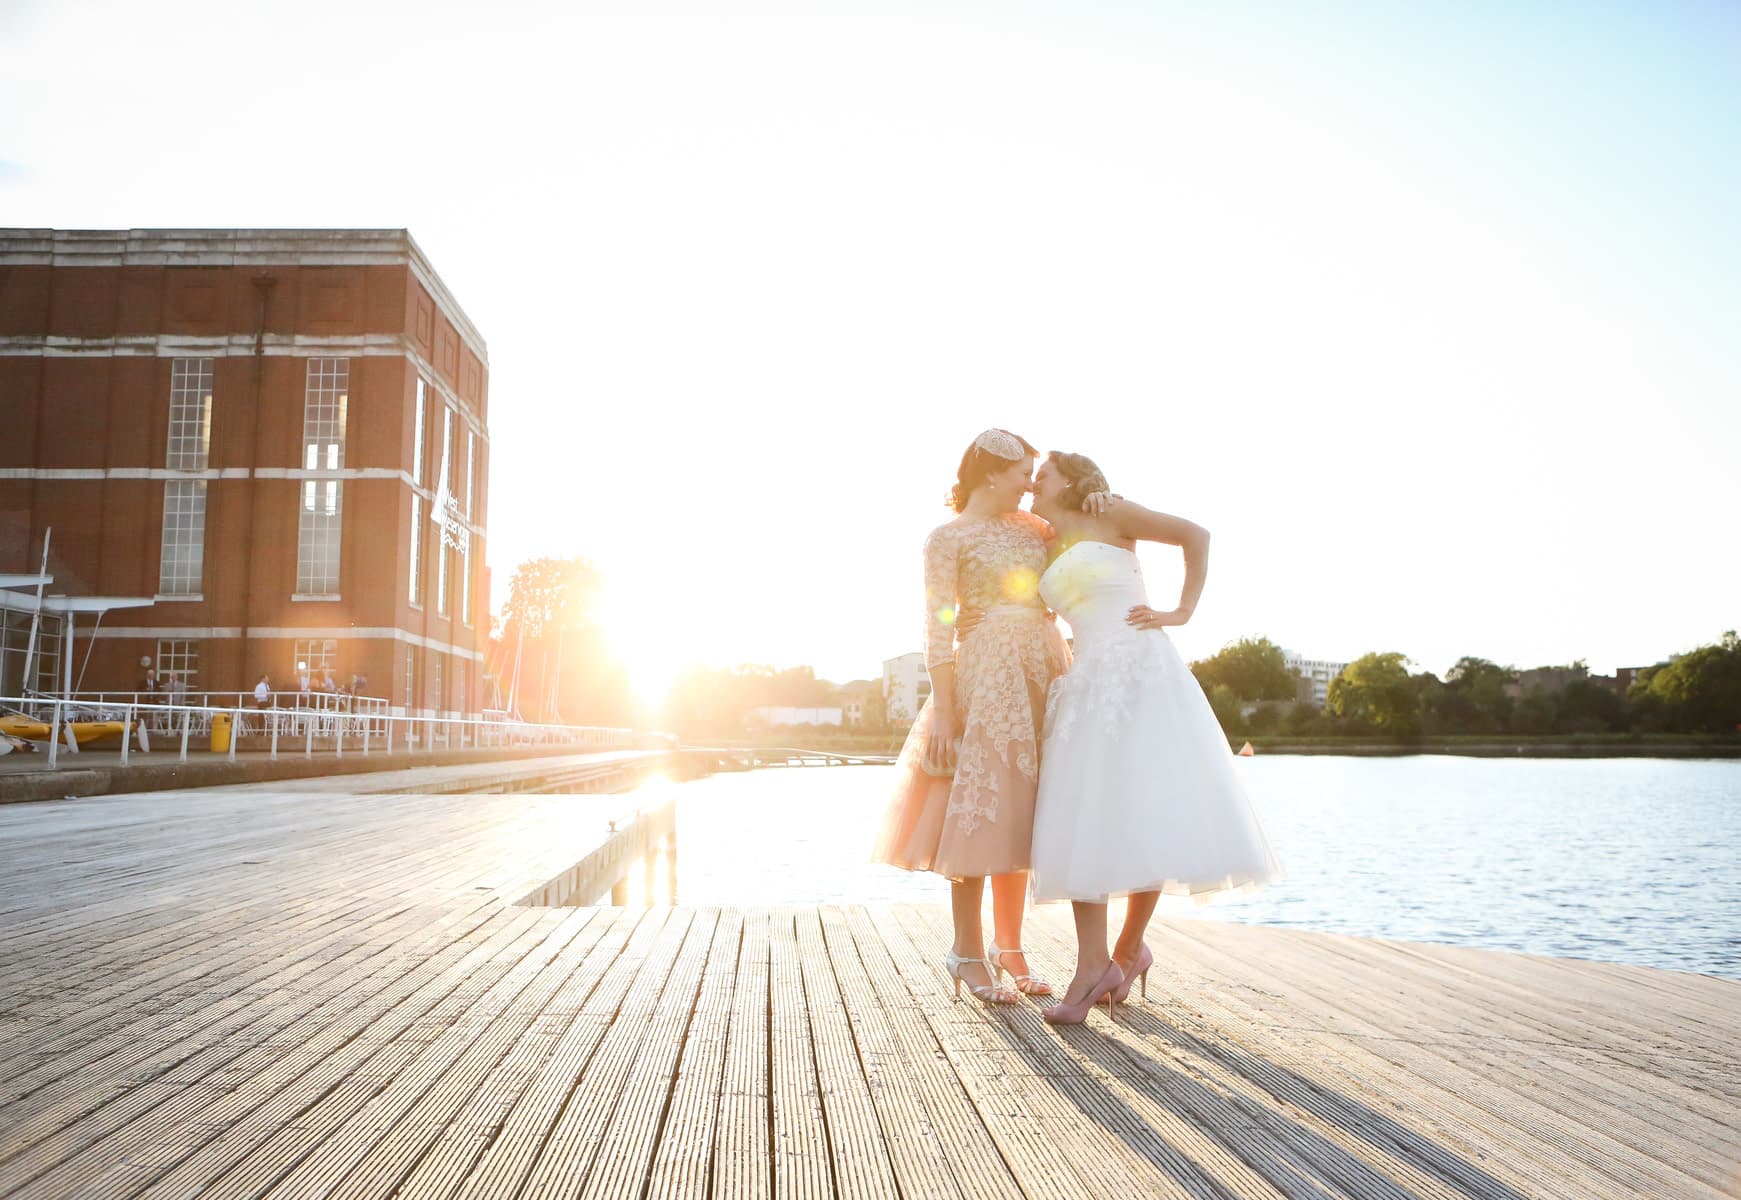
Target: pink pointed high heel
(1138,970)
(1075,1014)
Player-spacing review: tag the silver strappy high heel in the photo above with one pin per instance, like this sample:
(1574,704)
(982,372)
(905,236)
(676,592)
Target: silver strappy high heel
(985,993)
(1028,985)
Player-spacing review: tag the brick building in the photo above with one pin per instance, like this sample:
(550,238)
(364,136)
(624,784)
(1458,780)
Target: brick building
(271,444)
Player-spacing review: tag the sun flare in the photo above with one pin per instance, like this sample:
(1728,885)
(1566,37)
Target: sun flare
(640,636)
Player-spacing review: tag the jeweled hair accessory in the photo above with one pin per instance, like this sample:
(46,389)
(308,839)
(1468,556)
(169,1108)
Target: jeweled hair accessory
(1004,445)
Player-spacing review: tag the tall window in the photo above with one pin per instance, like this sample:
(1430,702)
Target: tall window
(321,519)
(317,537)
(465,582)
(190,415)
(411,705)
(465,546)
(471,466)
(417,432)
(416,550)
(435,657)
(315,657)
(443,492)
(416,500)
(181,563)
(324,401)
(178,659)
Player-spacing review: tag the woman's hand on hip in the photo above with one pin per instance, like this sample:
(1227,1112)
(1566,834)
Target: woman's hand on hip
(1144,617)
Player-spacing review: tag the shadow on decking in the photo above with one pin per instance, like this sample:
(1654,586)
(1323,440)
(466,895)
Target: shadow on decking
(1293,1157)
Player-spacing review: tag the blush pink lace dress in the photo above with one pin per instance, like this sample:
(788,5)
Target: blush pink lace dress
(980,821)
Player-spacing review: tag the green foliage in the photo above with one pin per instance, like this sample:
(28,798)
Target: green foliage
(1701,690)
(552,621)
(1586,707)
(714,702)
(876,713)
(1266,718)
(1536,712)
(1302,719)
(1226,706)
(1378,690)
(1475,699)
(1252,668)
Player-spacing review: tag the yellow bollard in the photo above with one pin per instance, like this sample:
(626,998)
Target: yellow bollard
(220,733)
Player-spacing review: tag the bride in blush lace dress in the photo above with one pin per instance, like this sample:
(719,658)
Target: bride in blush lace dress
(966,778)
(1139,795)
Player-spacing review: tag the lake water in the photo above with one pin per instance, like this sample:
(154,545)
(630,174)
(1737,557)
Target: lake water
(1623,860)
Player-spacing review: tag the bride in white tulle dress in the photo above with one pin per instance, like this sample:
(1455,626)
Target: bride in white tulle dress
(1138,794)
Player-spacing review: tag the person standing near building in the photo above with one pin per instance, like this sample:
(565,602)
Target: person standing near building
(263,692)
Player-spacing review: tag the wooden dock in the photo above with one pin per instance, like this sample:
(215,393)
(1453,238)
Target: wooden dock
(288,990)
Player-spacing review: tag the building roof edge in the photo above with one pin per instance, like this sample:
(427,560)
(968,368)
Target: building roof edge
(236,248)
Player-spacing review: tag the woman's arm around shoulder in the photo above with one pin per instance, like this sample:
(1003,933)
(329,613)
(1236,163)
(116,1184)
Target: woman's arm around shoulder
(1141,524)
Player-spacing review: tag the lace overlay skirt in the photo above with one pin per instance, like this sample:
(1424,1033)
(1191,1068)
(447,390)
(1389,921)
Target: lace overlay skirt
(980,821)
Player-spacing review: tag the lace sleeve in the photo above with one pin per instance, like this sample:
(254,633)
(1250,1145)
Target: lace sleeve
(940,575)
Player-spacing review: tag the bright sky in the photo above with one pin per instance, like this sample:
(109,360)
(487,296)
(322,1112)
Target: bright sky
(1430,312)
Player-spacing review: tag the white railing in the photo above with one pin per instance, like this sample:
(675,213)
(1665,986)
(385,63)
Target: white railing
(297,729)
(156,709)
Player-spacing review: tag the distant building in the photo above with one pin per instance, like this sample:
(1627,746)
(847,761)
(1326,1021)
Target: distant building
(772,715)
(906,684)
(1621,681)
(1552,680)
(1314,675)
(852,696)
(269,446)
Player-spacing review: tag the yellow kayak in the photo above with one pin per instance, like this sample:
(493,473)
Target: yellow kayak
(83,731)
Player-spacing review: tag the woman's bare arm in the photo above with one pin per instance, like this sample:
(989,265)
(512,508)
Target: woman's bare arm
(1134,521)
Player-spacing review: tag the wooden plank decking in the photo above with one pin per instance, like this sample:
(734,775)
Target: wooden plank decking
(289,990)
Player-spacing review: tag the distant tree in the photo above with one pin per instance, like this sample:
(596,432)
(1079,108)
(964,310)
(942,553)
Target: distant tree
(1428,690)
(798,687)
(1302,719)
(546,594)
(1701,689)
(716,702)
(1254,668)
(1475,699)
(1537,712)
(1586,707)
(1266,718)
(1226,706)
(876,713)
(1378,690)
(551,620)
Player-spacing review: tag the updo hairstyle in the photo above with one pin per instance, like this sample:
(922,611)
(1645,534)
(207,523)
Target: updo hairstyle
(979,465)
(1082,478)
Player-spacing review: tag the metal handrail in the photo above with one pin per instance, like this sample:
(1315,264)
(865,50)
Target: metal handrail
(308,728)
(337,701)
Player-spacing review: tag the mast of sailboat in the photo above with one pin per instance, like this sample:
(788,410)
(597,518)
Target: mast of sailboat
(36,614)
(554,707)
(514,681)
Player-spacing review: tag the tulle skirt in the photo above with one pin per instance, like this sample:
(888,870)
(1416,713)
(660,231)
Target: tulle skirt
(979,821)
(1140,792)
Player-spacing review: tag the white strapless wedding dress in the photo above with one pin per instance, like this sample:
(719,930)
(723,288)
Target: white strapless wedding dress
(1138,790)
